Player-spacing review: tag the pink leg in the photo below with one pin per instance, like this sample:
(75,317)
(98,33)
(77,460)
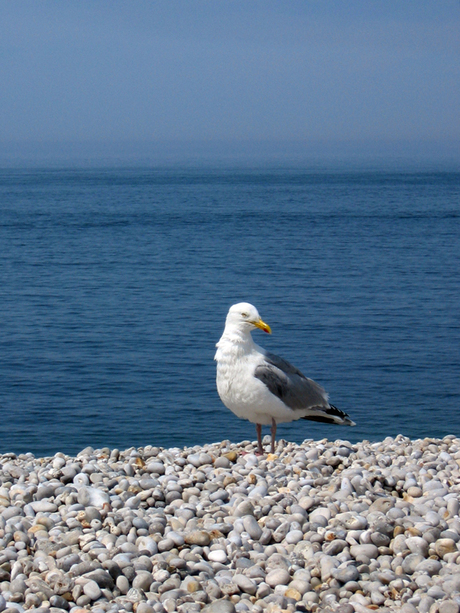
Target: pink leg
(260,450)
(273,431)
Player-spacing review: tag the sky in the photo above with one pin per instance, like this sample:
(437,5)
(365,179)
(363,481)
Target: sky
(229,77)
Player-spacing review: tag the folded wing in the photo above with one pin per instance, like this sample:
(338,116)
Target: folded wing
(298,392)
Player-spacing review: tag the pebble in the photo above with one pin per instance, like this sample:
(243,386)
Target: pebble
(279,576)
(220,606)
(252,527)
(218,555)
(245,584)
(449,606)
(197,537)
(348,573)
(324,525)
(92,590)
(367,551)
(444,546)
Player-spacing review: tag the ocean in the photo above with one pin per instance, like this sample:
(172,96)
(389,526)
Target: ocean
(115,284)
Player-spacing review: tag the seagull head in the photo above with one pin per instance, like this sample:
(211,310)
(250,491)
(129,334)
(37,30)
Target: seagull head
(245,316)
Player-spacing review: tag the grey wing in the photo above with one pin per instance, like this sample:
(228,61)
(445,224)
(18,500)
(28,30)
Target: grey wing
(289,384)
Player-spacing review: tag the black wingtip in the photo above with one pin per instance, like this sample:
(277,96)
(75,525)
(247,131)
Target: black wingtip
(344,416)
(331,415)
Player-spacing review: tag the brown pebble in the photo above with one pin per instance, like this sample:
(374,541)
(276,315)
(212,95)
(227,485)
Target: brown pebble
(36,528)
(193,586)
(444,546)
(293,593)
(197,537)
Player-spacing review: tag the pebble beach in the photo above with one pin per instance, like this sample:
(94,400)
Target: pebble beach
(321,526)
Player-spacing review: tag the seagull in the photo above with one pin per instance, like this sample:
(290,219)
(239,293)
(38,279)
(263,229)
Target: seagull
(261,387)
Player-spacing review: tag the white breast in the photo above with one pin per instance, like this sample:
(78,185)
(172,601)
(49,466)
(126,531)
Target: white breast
(241,392)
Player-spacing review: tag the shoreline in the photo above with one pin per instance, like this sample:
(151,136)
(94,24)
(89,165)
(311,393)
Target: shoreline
(324,525)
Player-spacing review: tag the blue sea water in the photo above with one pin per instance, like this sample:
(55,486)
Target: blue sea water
(115,284)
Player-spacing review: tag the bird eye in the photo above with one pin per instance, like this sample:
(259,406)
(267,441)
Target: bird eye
(245,315)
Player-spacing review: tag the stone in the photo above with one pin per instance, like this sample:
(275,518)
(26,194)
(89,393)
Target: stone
(220,606)
(411,562)
(408,608)
(449,606)
(294,536)
(369,551)
(293,593)
(154,530)
(425,604)
(430,567)
(197,537)
(144,607)
(218,555)
(143,580)
(252,527)
(444,546)
(436,592)
(245,584)
(59,602)
(278,576)
(382,505)
(345,608)
(417,544)
(102,578)
(43,506)
(93,496)
(92,590)
(348,573)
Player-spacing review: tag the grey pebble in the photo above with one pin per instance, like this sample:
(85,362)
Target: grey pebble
(323,525)
(252,527)
(43,506)
(93,496)
(429,567)
(245,584)
(102,578)
(144,607)
(369,551)
(278,576)
(436,592)
(348,573)
(92,590)
(59,602)
(122,584)
(408,608)
(220,606)
(345,608)
(449,606)
(425,604)
(411,563)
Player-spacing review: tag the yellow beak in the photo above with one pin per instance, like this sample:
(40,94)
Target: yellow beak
(262,326)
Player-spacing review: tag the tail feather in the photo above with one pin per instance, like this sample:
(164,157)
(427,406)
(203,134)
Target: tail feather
(330,415)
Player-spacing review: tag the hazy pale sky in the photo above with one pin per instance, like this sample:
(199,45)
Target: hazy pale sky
(315,72)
